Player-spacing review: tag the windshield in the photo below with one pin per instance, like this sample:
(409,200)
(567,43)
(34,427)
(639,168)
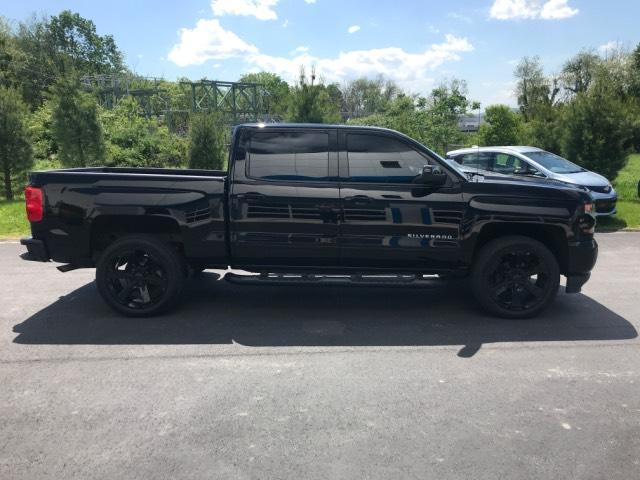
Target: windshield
(553,162)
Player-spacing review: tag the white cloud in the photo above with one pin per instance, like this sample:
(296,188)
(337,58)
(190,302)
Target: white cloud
(310,1)
(529,9)
(410,70)
(208,41)
(285,24)
(353,28)
(261,9)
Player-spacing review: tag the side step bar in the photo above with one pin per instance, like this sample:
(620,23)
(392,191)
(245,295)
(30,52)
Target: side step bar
(314,279)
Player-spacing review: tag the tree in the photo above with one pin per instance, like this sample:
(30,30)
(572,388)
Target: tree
(15,149)
(76,127)
(364,96)
(502,126)
(207,142)
(276,88)
(310,102)
(579,72)
(75,43)
(596,132)
(533,89)
(62,45)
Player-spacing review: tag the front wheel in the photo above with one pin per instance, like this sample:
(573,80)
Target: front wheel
(140,276)
(515,277)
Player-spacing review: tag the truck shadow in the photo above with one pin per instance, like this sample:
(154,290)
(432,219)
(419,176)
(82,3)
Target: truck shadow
(216,312)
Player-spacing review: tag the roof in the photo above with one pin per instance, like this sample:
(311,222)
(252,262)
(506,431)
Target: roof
(314,125)
(502,149)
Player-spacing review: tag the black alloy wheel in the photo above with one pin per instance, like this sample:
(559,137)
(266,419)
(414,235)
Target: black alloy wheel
(515,277)
(139,276)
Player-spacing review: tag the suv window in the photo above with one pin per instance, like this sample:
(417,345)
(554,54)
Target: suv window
(289,155)
(506,164)
(381,159)
(481,160)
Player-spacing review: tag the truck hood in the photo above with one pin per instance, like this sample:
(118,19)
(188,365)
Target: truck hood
(537,187)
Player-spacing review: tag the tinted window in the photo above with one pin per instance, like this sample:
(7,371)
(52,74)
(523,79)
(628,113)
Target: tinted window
(289,155)
(380,159)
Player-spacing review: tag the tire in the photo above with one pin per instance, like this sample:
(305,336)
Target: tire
(515,277)
(140,276)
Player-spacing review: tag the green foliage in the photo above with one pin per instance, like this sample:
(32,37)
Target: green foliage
(502,126)
(15,148)
(276,87)
(533,89)
(76,126)
(41,132)
(207,142)
(312,103)
(594,133)
(364,96)
(134,141)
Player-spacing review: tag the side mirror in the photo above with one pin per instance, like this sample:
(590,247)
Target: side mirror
(433,176)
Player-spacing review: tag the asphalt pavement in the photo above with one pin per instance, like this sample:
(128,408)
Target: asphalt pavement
(310,382)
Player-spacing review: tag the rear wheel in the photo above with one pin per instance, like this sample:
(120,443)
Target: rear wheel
(140,276)
(515,277)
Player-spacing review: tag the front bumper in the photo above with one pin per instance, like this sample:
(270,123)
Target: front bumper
(581,260)
(36,250)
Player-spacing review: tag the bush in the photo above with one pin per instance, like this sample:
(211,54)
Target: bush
(207,141)
(595,132)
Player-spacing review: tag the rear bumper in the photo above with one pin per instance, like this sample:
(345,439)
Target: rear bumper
(36,250)
(582,259)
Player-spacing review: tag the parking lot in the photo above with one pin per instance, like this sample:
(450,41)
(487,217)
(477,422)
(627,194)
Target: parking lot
(318,382)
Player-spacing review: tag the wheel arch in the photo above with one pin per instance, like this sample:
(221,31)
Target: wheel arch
(552,236)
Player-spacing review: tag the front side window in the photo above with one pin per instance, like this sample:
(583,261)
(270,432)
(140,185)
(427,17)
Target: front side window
(507,164)
(382,159)
(289,155)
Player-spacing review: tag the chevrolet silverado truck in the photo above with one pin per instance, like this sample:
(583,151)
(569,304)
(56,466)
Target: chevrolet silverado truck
(316,203)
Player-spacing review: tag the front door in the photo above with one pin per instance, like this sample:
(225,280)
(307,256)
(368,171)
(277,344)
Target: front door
(390,219)
(284,201)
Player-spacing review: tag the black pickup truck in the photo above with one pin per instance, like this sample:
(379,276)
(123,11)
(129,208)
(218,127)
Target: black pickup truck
(317,203)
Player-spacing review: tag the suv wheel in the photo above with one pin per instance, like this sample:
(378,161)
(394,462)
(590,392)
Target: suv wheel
(515,277)
(140,276)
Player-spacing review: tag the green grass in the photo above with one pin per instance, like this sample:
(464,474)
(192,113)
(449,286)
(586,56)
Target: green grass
(626,184)
(13,219)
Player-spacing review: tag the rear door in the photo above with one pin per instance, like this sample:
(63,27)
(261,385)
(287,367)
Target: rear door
(284,200)
(390,220)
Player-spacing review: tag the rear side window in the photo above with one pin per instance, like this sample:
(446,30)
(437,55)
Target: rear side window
(381,159)
(289,155)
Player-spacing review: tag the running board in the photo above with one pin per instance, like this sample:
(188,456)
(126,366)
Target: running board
(314,279)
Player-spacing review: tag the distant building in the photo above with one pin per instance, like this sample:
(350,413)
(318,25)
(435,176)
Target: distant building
(470,123)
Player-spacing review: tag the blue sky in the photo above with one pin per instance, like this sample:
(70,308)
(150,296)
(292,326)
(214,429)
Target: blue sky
(416,43)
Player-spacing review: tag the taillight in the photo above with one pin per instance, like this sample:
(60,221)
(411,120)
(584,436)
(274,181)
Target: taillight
(33,199)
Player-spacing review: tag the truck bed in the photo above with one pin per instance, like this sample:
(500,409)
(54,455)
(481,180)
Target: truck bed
(83,206)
